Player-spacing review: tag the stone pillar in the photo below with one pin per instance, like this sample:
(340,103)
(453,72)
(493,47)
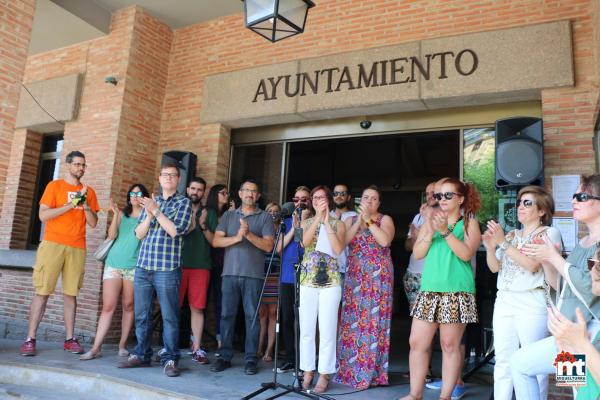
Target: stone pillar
(16,21)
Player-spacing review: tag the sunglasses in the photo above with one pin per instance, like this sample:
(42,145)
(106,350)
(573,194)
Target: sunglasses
(135,194)
(447,195)
(300,199)
(336,194)
(583,197)
(526,203)
(591,262)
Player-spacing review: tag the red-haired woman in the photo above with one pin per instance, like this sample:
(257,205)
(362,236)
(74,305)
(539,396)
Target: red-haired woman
(447,241)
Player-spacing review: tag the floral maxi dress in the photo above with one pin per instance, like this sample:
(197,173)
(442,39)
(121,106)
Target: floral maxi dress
(364,341)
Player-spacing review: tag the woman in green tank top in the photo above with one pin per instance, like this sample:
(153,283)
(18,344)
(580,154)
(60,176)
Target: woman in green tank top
(117,278)
(448,240)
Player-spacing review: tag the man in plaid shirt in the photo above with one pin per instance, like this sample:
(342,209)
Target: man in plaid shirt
(162,224)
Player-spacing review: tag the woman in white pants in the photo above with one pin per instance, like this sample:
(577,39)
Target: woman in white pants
(320,291)
(575,292)
(520,311)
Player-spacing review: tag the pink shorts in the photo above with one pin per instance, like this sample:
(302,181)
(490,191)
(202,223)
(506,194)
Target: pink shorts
(194,282)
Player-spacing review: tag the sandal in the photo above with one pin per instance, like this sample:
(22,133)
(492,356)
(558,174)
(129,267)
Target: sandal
(267,358)
(307,379)
(90,355)
(322,384)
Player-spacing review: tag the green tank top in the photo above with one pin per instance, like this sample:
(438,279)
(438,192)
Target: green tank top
(443,270)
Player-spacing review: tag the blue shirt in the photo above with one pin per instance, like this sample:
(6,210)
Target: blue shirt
(159,251)
(290,255)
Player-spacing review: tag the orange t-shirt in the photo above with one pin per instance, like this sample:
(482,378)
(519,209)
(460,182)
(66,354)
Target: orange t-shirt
(69,228)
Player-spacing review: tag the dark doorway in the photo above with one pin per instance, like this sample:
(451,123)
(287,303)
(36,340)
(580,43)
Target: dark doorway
(400,165)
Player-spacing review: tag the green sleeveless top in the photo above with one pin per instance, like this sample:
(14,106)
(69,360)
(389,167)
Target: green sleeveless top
(443,270)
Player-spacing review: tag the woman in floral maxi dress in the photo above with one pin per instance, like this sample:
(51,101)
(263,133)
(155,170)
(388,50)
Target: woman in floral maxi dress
(364,340)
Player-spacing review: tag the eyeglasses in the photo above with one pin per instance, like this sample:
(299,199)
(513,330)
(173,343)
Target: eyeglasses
(251,191)
(583,197)
(526,203)
(319,197)
(300,199)
(224,193)
(135,194)
(447,195)
(170,176)
(343,193)
(77,165)
(591,262)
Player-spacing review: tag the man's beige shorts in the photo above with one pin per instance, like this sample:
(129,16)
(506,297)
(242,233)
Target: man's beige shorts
(53,259)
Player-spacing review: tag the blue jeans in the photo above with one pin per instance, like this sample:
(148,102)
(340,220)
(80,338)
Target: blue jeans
(234,287)
(166,284)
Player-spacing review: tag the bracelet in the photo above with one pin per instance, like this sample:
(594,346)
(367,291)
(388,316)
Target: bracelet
(157,213)
(445,235)
(504,245)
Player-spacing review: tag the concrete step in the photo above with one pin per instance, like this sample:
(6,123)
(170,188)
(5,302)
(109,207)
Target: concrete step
(31,382)
(25,392)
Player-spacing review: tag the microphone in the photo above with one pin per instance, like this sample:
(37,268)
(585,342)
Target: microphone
(287,209)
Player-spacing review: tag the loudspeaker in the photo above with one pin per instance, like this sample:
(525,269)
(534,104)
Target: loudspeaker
(519,152)
(187,167)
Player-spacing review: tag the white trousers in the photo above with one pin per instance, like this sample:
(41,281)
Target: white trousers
(322,303)
(520,319)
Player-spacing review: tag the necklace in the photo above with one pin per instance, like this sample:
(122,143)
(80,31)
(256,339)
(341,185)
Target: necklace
(451,227)
(526,239)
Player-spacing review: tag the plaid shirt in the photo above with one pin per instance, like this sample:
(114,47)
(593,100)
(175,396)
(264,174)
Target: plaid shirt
(159,251)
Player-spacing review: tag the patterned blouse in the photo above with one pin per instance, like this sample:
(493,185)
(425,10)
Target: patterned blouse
(312,257)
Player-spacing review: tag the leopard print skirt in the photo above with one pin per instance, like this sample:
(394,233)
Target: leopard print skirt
(445,308)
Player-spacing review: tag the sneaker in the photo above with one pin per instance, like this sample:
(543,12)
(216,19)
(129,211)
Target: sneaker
(200,357)
(457,393)
(285,367)
(157,357)
(171,369)
(72,345)
(435,385)
(133,362)
(28,347)
(250,368)
(220,365)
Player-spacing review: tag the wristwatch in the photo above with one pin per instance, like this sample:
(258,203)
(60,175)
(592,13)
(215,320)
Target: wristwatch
(504,245)
(203,228)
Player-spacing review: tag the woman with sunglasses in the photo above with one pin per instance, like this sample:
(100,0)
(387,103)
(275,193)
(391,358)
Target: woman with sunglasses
(119,269)
(520,310)
(320,291)
(218,201)
(448,240)
(574,292)
(573,337)
(290,248)
(364,341)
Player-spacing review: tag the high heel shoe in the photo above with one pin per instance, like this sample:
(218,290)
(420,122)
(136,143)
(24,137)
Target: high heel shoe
(307,379)
(322,384)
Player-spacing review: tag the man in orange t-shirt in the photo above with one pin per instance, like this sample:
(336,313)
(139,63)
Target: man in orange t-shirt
(66,207)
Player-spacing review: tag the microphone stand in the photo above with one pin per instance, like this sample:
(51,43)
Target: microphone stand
(274,384)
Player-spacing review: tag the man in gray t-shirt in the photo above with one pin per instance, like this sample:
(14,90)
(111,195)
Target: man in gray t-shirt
(246,234)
